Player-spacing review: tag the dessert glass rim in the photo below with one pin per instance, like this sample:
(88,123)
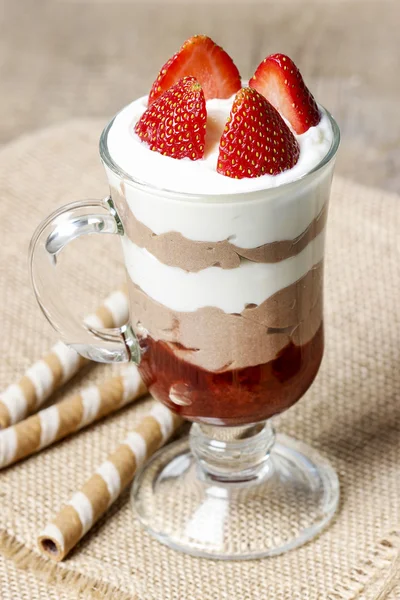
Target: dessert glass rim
(232,196)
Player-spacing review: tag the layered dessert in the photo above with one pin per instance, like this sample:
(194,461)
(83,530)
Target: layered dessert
(222,192)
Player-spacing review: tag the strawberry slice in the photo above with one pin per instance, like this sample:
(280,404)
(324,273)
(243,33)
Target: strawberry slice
(201,58)
(279,80)
(256,140)
(175,124)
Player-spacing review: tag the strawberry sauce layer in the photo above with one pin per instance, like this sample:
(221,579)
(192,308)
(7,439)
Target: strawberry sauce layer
(231,397)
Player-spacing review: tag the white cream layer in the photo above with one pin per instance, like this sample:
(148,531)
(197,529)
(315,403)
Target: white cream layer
(135,157)
(228,289)
(248,221)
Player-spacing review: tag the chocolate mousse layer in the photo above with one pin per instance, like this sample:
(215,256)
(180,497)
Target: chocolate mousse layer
(217,341)
(175,250)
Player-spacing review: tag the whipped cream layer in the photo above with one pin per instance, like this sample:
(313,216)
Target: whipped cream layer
(200,177)
(230,290)
(173,249)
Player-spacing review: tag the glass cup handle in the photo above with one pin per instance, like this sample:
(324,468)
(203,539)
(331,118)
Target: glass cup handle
(50,238)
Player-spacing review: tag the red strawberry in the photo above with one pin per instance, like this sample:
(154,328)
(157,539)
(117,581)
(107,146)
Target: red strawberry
(256,140)
(279,80)
(200,57)
(175,124)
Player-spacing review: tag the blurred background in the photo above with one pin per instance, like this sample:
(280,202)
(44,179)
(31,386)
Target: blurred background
(62,60)
(65,59)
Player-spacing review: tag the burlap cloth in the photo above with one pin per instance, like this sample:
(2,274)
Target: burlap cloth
(352,411)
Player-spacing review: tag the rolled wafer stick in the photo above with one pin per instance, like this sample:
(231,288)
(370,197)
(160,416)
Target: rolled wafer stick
(56,422)
(58,366)
(107,483)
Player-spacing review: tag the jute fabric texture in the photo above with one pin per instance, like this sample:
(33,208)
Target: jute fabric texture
(351,413)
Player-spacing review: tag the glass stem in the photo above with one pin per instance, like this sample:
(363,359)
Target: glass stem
(233,454)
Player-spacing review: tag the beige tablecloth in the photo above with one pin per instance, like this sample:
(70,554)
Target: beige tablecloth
(351,413)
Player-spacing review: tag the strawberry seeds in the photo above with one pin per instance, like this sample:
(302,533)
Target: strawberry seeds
(256,139)
(175,123)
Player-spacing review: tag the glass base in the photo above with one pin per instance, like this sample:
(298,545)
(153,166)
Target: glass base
(284,502)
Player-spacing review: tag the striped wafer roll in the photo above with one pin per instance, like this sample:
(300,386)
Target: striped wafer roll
(74,413)
(107,483)
(58,366)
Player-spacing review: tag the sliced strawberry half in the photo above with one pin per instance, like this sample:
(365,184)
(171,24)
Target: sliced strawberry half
(201,58)
(175,124)
(256,140)
(280,81)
